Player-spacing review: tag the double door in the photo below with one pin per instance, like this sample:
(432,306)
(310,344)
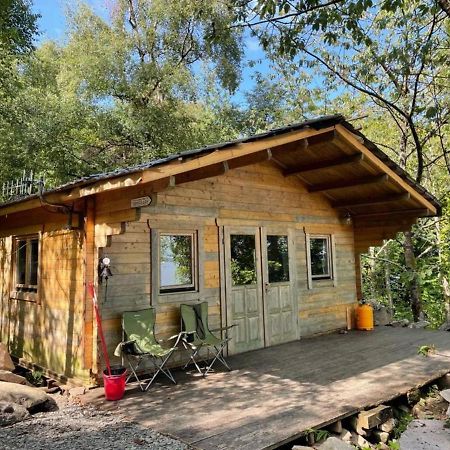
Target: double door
(260,301)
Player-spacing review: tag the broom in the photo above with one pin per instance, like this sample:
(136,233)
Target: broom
(93,294)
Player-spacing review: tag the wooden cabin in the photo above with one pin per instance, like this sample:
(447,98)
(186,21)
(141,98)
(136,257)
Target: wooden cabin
(267,229)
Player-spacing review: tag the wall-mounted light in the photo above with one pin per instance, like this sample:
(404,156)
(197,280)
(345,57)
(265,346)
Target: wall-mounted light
(347,219)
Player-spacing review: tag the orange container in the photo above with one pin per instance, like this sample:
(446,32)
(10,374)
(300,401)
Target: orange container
(364,317)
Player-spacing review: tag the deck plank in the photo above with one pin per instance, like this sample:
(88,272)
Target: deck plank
(274,394)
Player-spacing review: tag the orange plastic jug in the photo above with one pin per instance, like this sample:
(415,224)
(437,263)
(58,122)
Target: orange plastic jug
(364,317)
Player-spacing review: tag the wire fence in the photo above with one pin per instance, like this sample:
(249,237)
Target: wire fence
(27,184)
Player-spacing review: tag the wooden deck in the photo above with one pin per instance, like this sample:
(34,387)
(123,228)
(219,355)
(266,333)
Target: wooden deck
(274,394)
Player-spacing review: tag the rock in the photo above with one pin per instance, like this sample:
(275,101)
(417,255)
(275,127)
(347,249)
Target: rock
(76,391)
(374,417)
(12,413)
(355,425)
(404,409)
(5,360)
(413,396)
(382,316)
(381,436)
(400,323)
(359,440)
(9,377)
(425,435)
(448,412)
(345,435)
(300,447)
(444,382)
(445,327)
(335,427)
(29,397)
(445,394)
(382,446)
(333,443)
(420,324)
(389,425)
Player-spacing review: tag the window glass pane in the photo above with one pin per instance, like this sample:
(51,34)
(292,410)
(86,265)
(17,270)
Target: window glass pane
(34,258)
(243,265)
(21,261)
(319,257)
(278,258)
(176,266)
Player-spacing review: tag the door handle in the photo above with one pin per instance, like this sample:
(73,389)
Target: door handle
(267,286)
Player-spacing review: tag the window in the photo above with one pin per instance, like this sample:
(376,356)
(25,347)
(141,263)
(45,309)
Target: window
(320,257)
(26,264)
(177,262)
(243,259)
(277,258)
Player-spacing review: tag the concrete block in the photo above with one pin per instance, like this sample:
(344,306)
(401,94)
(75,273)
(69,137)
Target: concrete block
(374,417)
(335,427)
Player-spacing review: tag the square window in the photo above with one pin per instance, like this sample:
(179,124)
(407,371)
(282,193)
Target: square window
(177,262)
(26,265)
(320,257)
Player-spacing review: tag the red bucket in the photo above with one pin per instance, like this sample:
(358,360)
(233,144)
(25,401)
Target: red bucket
(114,383)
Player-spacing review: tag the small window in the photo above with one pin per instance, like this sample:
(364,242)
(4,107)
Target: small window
(26,264)
(243,259)
(320,257)
(278,258)
(177,262)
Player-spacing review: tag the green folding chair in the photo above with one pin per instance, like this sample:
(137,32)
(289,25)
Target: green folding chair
(140,344)
(196,335)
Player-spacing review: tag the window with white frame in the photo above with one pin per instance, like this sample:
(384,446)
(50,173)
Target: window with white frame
(26,263)
(320,257)
(177,262)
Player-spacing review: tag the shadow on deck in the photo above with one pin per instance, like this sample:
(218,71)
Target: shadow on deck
(274,394)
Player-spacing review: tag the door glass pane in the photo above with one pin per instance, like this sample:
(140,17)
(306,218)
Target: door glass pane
(21,262)
(243,259)
(34,258)
(277,258)
(320,266)
(176,261)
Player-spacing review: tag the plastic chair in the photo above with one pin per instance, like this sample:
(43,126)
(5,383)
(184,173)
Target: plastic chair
(140,343)
(197,335)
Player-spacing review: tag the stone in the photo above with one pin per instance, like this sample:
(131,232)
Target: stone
(444,382)
(335,427)
(359,440)
(381,436)
(12,413)
(29,397)
(404,409)
(6,362)
(388,426)
(413,396)
(400,323)
(9,377)
(382,446)
(425,435)
(444,327)
(374,417)
(382,316)
(77,391)
(448,412)
(419,324)
(356,426)
(445,394)
(300,447)
(333,443)
(345,435)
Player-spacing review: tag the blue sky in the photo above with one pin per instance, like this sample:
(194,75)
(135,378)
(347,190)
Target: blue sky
(53,26)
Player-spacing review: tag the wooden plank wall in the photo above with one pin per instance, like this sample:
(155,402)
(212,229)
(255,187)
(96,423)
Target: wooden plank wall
(256,195)
(48,332)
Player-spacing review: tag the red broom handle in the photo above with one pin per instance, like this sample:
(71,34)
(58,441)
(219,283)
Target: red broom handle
(99,325)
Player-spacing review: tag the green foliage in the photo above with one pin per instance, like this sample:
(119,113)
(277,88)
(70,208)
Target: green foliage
(426,350)
(404,419)
(35,377)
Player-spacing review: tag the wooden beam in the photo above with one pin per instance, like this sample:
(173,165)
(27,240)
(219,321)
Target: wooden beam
(397,213)
(318,165)
(349,137)
(343,184)
(370,202)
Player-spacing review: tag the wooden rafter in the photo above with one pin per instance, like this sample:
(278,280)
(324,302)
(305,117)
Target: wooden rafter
(343,184)
(371,202)
(327,164)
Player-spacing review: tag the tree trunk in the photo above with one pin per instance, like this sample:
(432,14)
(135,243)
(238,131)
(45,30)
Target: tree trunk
(387,279)
(414,288)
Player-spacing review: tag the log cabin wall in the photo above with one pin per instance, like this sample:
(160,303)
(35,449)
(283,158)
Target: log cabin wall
(47,329)
(256,195)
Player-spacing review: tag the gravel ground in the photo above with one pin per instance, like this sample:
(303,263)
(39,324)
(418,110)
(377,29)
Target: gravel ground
(73,427)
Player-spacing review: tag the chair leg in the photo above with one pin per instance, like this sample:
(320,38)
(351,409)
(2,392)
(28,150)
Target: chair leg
(133,371)
(218,357)
(192,356)
(160,368)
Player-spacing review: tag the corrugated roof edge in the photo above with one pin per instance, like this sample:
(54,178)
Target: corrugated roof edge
(317,123)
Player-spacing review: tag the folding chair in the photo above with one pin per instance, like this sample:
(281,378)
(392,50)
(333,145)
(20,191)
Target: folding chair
(140,343)
(197,335)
